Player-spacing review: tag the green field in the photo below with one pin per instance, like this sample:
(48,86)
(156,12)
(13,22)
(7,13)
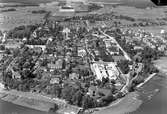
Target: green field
(127,2)
(23,15)
(26,1)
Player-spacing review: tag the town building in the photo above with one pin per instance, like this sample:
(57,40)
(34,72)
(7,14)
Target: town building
(66,9)
(43,47)
(81,52)
(105,70)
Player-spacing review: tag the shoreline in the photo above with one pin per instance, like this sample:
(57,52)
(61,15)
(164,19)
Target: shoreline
(122,99)
(25,101)
(38,101)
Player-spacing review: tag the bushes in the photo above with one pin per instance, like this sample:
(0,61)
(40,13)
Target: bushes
(21,31)
(2,47)
(127,18)
(39,12)
(123,65)
(54,109)
(8,10)
(93,7)
(88,102)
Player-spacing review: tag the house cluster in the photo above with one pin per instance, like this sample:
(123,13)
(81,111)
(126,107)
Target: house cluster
(142,38)
(64,59)
(105,70)
(111,47)
(105,53)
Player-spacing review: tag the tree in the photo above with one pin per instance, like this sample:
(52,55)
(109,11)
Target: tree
(7,76)
(44,62)
(85,102)
(108,99)
(124,66)
(38,73)
(67,93)
(2,47)
(88,102)
(57,91)
(16,83)
(55,108)
(138,80)
(77,98)
(26,87)
(16,52)
(98,82)
(7,51)
(119,95)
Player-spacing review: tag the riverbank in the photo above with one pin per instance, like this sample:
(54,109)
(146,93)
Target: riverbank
(129,102)
(44,103)
(151,92)
(154,94)
(36,104)
(121,106)
(36,101)
(161,64)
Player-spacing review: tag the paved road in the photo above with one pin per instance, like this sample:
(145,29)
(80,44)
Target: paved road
(125,53)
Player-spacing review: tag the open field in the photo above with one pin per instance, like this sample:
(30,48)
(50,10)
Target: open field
(152,29)
(161,64)
(136,3)
(23,15)
(26,1)
(141,13)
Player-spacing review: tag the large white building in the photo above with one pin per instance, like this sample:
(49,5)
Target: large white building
(105,70)
(112,71)
(73,6)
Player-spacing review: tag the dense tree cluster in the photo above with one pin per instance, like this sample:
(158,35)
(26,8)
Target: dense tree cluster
(124,66)
(93,7)
(39,12)
(129,48)
(21,31)
(24,65)
(12,83)
(36,42)
(102,17)
(8,10)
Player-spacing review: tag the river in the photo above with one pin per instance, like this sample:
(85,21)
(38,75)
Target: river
(154,96)
(158,103)
(150,99)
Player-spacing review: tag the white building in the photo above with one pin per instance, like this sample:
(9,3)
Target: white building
(66,32)
(43,47)
(96,71)
(112,71)
(81,53)
(105,70)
